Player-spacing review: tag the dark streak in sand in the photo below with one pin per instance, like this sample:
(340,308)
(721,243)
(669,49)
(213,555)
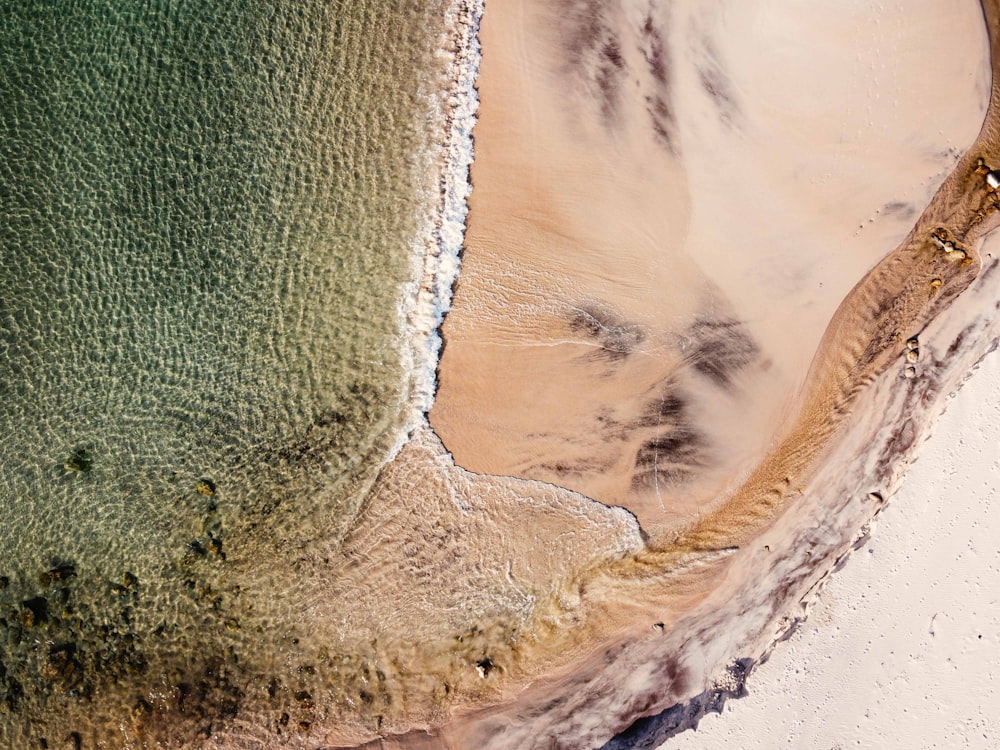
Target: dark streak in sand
(671,456)
(579,468)
(721,348)
(669,407)
(658,107)
(616,337)
(715,83)
(593,51)
(668,458)
(661,120)
(596,44)
(653,50)
(609,76)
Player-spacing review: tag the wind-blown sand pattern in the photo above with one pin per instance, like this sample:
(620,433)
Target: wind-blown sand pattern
(722,263)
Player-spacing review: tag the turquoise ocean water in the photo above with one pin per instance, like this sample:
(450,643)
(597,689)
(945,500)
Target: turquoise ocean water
(206,215)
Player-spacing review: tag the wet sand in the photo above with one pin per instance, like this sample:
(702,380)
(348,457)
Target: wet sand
(664,221)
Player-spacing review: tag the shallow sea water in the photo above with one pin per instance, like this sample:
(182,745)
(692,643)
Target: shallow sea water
(207,212)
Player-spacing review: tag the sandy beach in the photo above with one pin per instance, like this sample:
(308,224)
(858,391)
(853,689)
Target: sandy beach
(643,291)
(896,639)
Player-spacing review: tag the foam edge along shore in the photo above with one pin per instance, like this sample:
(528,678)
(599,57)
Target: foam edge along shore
(442,171)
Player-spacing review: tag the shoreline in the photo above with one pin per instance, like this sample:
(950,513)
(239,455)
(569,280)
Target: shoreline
(437,246)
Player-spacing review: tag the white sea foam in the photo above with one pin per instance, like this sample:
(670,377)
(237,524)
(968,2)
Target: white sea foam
(443,171)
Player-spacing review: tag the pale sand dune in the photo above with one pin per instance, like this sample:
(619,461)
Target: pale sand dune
(639,318)
(900,650)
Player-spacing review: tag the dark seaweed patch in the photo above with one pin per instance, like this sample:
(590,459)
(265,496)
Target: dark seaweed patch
(34,611)
(62,571)
(80,461)
(616,337)
(57,641)
(64,666)
(721,348)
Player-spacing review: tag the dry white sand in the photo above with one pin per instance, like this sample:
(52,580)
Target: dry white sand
(900,652)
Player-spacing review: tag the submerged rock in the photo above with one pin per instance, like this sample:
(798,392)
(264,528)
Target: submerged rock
(80,461)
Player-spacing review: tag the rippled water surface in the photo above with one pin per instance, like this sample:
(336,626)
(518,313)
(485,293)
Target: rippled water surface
(206,214)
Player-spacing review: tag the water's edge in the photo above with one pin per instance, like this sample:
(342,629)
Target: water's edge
(437,246)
